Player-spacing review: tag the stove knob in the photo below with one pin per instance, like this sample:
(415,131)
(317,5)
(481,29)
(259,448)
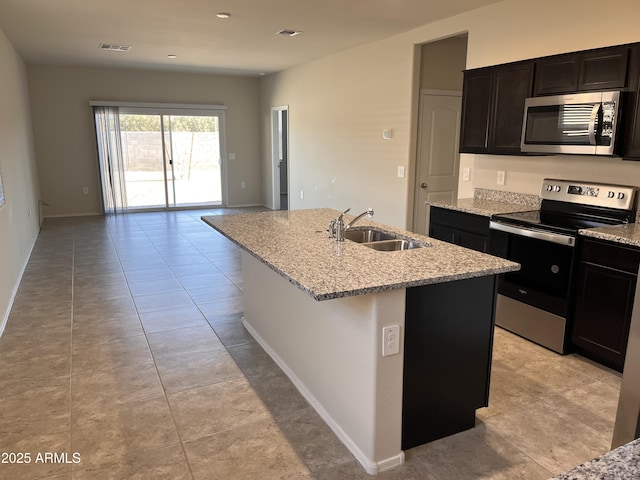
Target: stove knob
(549,188)
(556,188)
(620,195)
(611,194)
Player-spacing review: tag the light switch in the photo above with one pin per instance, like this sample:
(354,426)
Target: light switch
(386,133)
(400,171)
(232,156)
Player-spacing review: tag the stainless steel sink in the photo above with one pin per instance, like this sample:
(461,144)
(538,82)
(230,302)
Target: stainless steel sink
(379,240)
(367,235)
(393,245)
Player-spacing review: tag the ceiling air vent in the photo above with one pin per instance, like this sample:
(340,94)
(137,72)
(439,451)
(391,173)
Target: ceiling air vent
(288,33)
(115,48)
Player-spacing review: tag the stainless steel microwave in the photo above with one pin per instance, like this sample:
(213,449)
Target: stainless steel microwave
(581,123)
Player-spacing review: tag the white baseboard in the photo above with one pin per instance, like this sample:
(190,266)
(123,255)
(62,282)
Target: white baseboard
(62,215)
(5,317)
(372,467)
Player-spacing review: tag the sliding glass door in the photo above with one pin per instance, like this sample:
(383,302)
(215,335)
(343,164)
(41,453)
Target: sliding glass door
(160,158)
(171,160)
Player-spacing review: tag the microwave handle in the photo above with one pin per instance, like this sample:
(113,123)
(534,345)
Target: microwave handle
(592,123)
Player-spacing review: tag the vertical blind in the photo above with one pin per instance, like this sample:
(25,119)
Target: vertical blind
(110,159)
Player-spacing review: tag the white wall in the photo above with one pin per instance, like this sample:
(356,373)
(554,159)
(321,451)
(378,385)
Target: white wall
(65,137)
(18,228)
(340,104)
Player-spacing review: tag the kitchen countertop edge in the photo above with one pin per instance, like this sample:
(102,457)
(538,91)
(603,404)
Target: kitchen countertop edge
(391,282)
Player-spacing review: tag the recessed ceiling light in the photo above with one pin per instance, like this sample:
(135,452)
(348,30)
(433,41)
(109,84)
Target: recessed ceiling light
(223,15)
(172,56)
(288,32)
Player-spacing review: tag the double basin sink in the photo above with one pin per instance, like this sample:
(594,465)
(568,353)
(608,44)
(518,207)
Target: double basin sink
(379,240)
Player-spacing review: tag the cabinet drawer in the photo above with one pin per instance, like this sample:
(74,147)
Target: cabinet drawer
(467,222)
(619,257)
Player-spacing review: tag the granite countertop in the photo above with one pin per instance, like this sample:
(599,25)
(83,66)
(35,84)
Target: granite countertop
(487,202)
(480,206)
(628,234)
(618,464)
(295,245)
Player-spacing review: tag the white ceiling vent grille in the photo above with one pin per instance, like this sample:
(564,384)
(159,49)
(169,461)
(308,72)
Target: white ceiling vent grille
(288,33)
(115,48)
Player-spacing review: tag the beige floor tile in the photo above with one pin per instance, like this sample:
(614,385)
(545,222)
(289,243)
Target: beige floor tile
(172,318)
(183,340)
(162,301)
(106,329)
(92,392)
(92,357)
(479,453)
(313,440)
(554,440)
(196,369)
(33,437)
(167,463)
(258,450)
(108,435)
(595,404)
(39,402)
(204,411)
(115,307)
(34,368)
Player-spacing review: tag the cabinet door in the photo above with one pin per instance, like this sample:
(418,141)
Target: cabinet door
(558,74)
(604,69)
(440,232)
(479,243)
(631,147)
(476,102)
(604,300)
(512,85)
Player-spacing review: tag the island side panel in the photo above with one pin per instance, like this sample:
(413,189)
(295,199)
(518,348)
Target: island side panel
(331,350)
(448,348)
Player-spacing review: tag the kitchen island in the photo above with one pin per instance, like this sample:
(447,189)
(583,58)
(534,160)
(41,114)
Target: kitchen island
(320,307)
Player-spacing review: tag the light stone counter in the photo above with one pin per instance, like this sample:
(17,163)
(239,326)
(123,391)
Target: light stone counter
(628,234)
(295,245)
(487,202)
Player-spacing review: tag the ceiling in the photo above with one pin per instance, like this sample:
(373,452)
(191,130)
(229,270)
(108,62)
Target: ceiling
(69,32)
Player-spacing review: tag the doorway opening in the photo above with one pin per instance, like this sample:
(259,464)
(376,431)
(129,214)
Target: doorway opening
(154,158)
(437,149)
(280,157)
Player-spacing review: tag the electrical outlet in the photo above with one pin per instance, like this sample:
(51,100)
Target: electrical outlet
(243,184)
(401,171)
(390,340)
(466,173)
(85,190)
(500,177)
(301,194)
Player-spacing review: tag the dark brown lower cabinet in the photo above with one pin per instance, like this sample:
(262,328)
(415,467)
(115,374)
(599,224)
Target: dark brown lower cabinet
(604,294)
(460,228)
(448,343)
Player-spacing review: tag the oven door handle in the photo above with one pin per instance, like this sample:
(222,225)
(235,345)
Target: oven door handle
(536,234)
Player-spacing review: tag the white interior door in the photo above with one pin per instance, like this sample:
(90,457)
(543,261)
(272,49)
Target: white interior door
(438,158)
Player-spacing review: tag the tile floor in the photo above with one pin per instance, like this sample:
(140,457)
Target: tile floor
(124,344)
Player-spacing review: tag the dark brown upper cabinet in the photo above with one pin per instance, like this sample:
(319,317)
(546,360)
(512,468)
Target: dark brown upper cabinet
(601,69)
(631,108)
(493,107)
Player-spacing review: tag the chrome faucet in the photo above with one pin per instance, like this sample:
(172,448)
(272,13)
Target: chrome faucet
(369,212)
(337,226)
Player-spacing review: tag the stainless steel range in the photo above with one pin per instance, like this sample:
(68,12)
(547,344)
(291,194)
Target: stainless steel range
(534,302)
